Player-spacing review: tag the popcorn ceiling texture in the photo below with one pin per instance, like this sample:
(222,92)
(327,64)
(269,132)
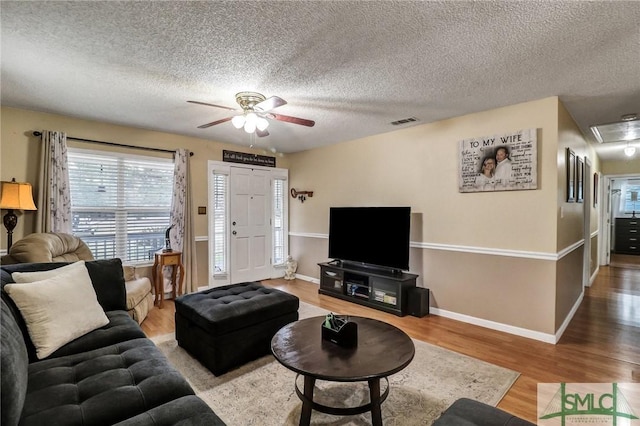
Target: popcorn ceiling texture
(352,66)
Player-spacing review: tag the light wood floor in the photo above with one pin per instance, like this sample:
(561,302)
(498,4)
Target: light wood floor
(602,343)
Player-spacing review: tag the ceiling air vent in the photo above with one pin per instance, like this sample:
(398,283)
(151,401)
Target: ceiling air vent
(404,121)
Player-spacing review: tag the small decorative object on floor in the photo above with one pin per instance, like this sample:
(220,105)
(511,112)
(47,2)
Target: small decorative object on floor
(167,241)
(339,330)
(291,267)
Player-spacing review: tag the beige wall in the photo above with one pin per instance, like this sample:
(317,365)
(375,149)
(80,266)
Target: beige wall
(492,256)
(20,152)
(569,269)
(629,167)
(417,167)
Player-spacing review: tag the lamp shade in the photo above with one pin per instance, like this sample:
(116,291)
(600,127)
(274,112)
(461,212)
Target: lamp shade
(17,196)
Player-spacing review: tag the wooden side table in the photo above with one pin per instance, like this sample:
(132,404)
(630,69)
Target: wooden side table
(173,259)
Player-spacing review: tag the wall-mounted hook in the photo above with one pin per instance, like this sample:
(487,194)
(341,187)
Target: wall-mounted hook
(301,195)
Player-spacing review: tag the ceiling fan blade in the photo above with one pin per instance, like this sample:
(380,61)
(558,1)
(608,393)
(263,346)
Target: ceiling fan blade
(294,120)
(213,105)
(269,104)
(213,123)
(262,133)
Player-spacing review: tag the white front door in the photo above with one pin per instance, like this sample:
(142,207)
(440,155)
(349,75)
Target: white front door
(250,240)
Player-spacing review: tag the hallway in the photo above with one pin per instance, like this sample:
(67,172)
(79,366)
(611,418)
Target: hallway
(607,322)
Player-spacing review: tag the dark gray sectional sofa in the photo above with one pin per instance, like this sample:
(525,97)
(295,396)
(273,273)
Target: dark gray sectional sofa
(468,412)
(112,375)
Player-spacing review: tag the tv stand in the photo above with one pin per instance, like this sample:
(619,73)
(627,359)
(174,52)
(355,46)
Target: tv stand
(381,289)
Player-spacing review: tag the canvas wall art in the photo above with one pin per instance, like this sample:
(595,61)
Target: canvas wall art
(506,162)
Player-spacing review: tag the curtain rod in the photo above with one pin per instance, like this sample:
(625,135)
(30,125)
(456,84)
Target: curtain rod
(146,148)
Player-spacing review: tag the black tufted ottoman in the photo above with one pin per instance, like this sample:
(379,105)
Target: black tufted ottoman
(225,327)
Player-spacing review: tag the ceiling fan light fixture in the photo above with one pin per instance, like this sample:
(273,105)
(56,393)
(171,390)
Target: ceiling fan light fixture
(238,121)
(251,117)
(250,126)
(262,124)
(249,120)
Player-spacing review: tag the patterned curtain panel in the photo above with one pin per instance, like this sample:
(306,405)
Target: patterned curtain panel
(54,215)
(182,233)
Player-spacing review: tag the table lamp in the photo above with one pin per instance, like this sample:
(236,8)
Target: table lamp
(15,196)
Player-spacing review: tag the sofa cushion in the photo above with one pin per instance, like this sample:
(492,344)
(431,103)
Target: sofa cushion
(14,365)
(101,387)
(120,329)
(468,412)
(107,278)
(32,276)
(58,309)
(186,411)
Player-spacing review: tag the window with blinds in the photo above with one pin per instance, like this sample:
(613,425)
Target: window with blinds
(278,221)
(120,204)
(220,222)
(631,198)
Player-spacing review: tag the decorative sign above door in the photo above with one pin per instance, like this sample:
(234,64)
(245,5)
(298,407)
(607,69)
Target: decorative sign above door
(244,158)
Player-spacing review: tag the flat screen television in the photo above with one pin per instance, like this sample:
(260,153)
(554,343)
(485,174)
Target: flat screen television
(373,236)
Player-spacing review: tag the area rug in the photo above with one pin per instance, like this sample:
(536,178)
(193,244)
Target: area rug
(261,393)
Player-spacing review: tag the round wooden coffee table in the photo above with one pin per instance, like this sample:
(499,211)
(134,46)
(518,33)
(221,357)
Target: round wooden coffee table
(382,350)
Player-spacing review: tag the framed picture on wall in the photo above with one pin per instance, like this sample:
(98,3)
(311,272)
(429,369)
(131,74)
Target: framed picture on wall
(596,178)
(579,180)
(571,176)
(503,162)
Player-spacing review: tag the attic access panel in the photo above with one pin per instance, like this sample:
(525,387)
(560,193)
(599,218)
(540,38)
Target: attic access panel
(620,131)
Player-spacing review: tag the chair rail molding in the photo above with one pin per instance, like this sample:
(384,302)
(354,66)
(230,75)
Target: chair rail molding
(471,249)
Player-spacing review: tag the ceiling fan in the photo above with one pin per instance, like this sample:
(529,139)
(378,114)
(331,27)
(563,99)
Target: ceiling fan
(256,109)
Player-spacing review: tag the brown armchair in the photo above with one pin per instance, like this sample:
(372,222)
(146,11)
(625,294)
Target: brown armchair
(59,247)
(47,247)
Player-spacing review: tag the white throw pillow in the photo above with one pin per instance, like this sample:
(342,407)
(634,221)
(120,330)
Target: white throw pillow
(30,277)
(58,309)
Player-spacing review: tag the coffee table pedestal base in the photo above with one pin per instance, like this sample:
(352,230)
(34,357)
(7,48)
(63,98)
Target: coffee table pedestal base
(308,404)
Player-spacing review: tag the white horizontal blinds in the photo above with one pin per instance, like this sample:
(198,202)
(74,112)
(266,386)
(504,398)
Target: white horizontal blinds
(120,203)
(278,222)
(93,201)
(631,205)
(220,202)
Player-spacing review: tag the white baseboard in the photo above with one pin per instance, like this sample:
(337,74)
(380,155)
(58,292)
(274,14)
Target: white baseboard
(310,279)
(518,331)
(594,275)
(569,317)
(493,325)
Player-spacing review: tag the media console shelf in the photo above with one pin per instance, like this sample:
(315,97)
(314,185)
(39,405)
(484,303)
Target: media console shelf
(370,287)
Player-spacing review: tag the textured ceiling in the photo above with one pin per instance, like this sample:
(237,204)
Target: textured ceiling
(352,66)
